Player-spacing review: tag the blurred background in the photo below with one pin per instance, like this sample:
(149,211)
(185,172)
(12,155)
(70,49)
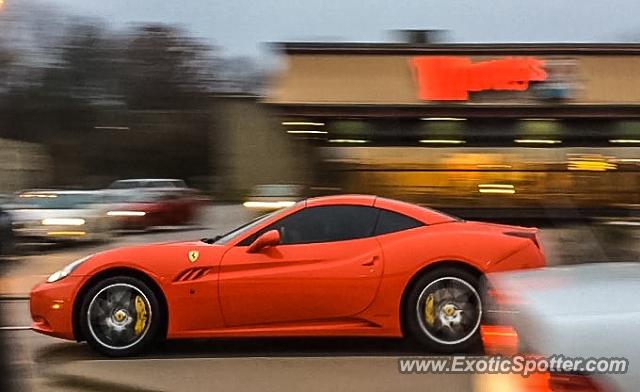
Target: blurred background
(531,133)
(85,103)
(127,123)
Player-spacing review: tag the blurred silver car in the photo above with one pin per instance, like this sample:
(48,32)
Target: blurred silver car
(57,216)
(582,311)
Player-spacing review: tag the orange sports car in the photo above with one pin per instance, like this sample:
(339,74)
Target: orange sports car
(331,266)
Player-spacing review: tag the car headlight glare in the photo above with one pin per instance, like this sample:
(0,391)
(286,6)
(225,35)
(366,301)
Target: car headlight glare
(126,213)
(63,222)
(67,270)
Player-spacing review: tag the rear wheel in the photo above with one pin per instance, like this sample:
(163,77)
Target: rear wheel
(120,316)
(443,310)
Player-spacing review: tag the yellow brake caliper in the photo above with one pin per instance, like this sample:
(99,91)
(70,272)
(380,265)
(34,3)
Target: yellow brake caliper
(429,313)
(141,318)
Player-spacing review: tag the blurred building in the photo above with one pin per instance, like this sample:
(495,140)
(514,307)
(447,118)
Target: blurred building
(248,150)
(24,165)
(470,127)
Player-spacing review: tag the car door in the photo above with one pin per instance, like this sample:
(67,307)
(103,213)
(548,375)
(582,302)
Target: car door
(327,266)
(176,207)
(171,207)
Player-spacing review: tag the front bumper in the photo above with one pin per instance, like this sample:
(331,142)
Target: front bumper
(42,233)
(52,307)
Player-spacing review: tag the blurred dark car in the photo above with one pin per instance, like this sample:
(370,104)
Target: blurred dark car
(141,209)
(6,233)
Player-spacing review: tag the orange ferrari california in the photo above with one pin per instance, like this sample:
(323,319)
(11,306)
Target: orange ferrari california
(332,266)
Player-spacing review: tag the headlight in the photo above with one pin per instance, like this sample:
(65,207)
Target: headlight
(68,269)
(63,222)
(126,213)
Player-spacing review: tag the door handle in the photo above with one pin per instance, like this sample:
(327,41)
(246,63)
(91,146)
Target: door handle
(370,262)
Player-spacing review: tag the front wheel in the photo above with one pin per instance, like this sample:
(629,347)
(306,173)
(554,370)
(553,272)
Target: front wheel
(120,316)
(443,310)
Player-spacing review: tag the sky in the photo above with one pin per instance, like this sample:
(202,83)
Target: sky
(240,27)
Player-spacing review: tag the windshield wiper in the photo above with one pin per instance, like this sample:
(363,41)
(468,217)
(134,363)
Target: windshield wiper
(211,240)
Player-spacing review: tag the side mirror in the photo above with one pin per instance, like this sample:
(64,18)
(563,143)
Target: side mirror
(270,238)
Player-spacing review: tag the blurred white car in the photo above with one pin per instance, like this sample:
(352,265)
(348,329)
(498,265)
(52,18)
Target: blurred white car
(586,311)
(57,216)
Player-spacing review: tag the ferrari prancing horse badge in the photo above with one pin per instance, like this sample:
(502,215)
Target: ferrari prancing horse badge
(193,255)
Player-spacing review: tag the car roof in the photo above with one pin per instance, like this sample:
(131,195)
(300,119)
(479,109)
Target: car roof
(363,200)
(423,214)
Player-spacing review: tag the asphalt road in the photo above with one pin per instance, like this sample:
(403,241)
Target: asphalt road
(41,363)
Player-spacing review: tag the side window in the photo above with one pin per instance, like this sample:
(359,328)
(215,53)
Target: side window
(160,184)
(390,222)
(168,196)
(323,224)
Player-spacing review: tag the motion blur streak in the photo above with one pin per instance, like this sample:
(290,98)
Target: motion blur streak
(628,141)
(268,204)
(442,141)
(538,141)
(63,222)
(126,213)
(540,306)
(313,124)
(66,233)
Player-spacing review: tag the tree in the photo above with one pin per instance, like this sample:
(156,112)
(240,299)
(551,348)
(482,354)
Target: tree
(240,75)
(165,69)
(89,64)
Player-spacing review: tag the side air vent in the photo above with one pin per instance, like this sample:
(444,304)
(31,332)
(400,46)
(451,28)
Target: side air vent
(192,274)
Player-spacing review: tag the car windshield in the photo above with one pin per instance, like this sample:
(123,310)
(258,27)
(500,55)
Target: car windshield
(55,201)
(226,238)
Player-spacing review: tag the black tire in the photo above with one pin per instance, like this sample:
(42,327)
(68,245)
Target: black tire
(423,331)
(110,338)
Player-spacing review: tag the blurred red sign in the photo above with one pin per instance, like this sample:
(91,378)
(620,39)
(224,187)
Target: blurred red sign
(451,78)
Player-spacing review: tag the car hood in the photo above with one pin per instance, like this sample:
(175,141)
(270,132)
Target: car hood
(161,260)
